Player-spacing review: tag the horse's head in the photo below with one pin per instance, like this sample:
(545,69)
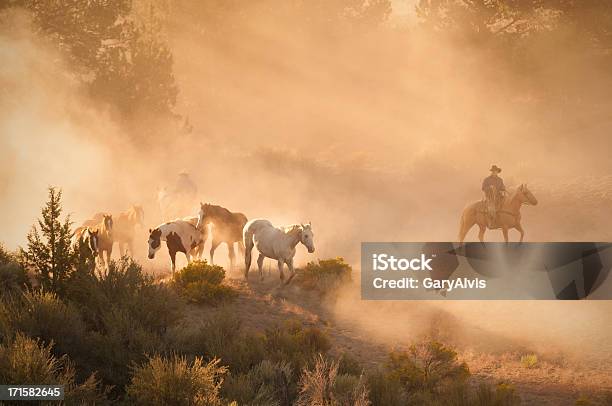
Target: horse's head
(202,215)
(154,242)
(93,241)
(307,237)
(108,221)
(527,196)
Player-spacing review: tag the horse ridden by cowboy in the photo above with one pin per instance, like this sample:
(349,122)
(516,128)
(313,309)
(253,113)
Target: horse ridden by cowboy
(494,190)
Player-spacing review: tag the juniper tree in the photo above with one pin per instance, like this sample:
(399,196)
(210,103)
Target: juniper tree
(49,253)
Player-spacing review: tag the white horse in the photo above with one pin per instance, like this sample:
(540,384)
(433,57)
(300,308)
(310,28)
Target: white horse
(276,243)
(180,236)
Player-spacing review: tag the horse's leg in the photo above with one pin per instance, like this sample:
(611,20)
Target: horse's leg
(109,251)
(465,228)
(260,263)
(505,232)
(200,250)
(241,248)
(213,247)
(101,256)
(289,263)
(247,262)
(520,230)
(280,269)
(481,232)
(232,254)
(172,260)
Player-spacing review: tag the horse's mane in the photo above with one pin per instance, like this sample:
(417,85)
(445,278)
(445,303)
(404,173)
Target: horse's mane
(291,228)
(102,227)
(218,210)
(512,194)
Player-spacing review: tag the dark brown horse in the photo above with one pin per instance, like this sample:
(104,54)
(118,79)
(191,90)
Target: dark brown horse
(226,227)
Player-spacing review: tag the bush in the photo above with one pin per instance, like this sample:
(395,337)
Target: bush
(349,365)
(322,386)
(326,275)
(268,383)
(529,361)
(124,342)
(200,282)
(13,276)
(503,395)
(124,287)
(583,401)
(427,367)
(221,337)
(174,381)
(125,315)
(294,343)
(27,361)
(5,256)
(43,315)
(13,279)
(385,390)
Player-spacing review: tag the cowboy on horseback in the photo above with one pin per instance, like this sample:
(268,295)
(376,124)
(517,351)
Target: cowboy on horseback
(494,190)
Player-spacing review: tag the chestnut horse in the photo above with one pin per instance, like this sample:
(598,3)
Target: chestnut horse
(508,216)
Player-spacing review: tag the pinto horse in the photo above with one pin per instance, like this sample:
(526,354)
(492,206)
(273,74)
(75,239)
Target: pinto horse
(86,244)
(276,243)
(179,235)
(226,228)
(508,216)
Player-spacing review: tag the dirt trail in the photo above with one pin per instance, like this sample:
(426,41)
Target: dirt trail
(369,330)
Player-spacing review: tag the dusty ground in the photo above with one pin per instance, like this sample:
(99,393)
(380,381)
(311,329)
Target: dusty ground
(369,330)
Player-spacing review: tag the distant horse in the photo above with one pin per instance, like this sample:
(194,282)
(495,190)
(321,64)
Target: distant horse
(227,228)
(123,227)
(276,243)
(180,236)
(507,217)
(104,226)
(85,243)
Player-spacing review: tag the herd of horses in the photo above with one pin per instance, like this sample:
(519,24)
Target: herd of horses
(96,237)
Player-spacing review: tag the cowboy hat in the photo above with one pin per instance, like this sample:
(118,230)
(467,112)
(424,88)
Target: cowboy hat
(495,168)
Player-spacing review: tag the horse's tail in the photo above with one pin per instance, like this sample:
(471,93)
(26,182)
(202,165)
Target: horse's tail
(247,240)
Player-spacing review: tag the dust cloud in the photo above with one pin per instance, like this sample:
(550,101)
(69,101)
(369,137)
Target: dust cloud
(373,133)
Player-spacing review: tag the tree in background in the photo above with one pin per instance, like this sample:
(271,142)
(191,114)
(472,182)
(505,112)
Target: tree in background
(122,57)
(49,253)
(480,21)
(483,20)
